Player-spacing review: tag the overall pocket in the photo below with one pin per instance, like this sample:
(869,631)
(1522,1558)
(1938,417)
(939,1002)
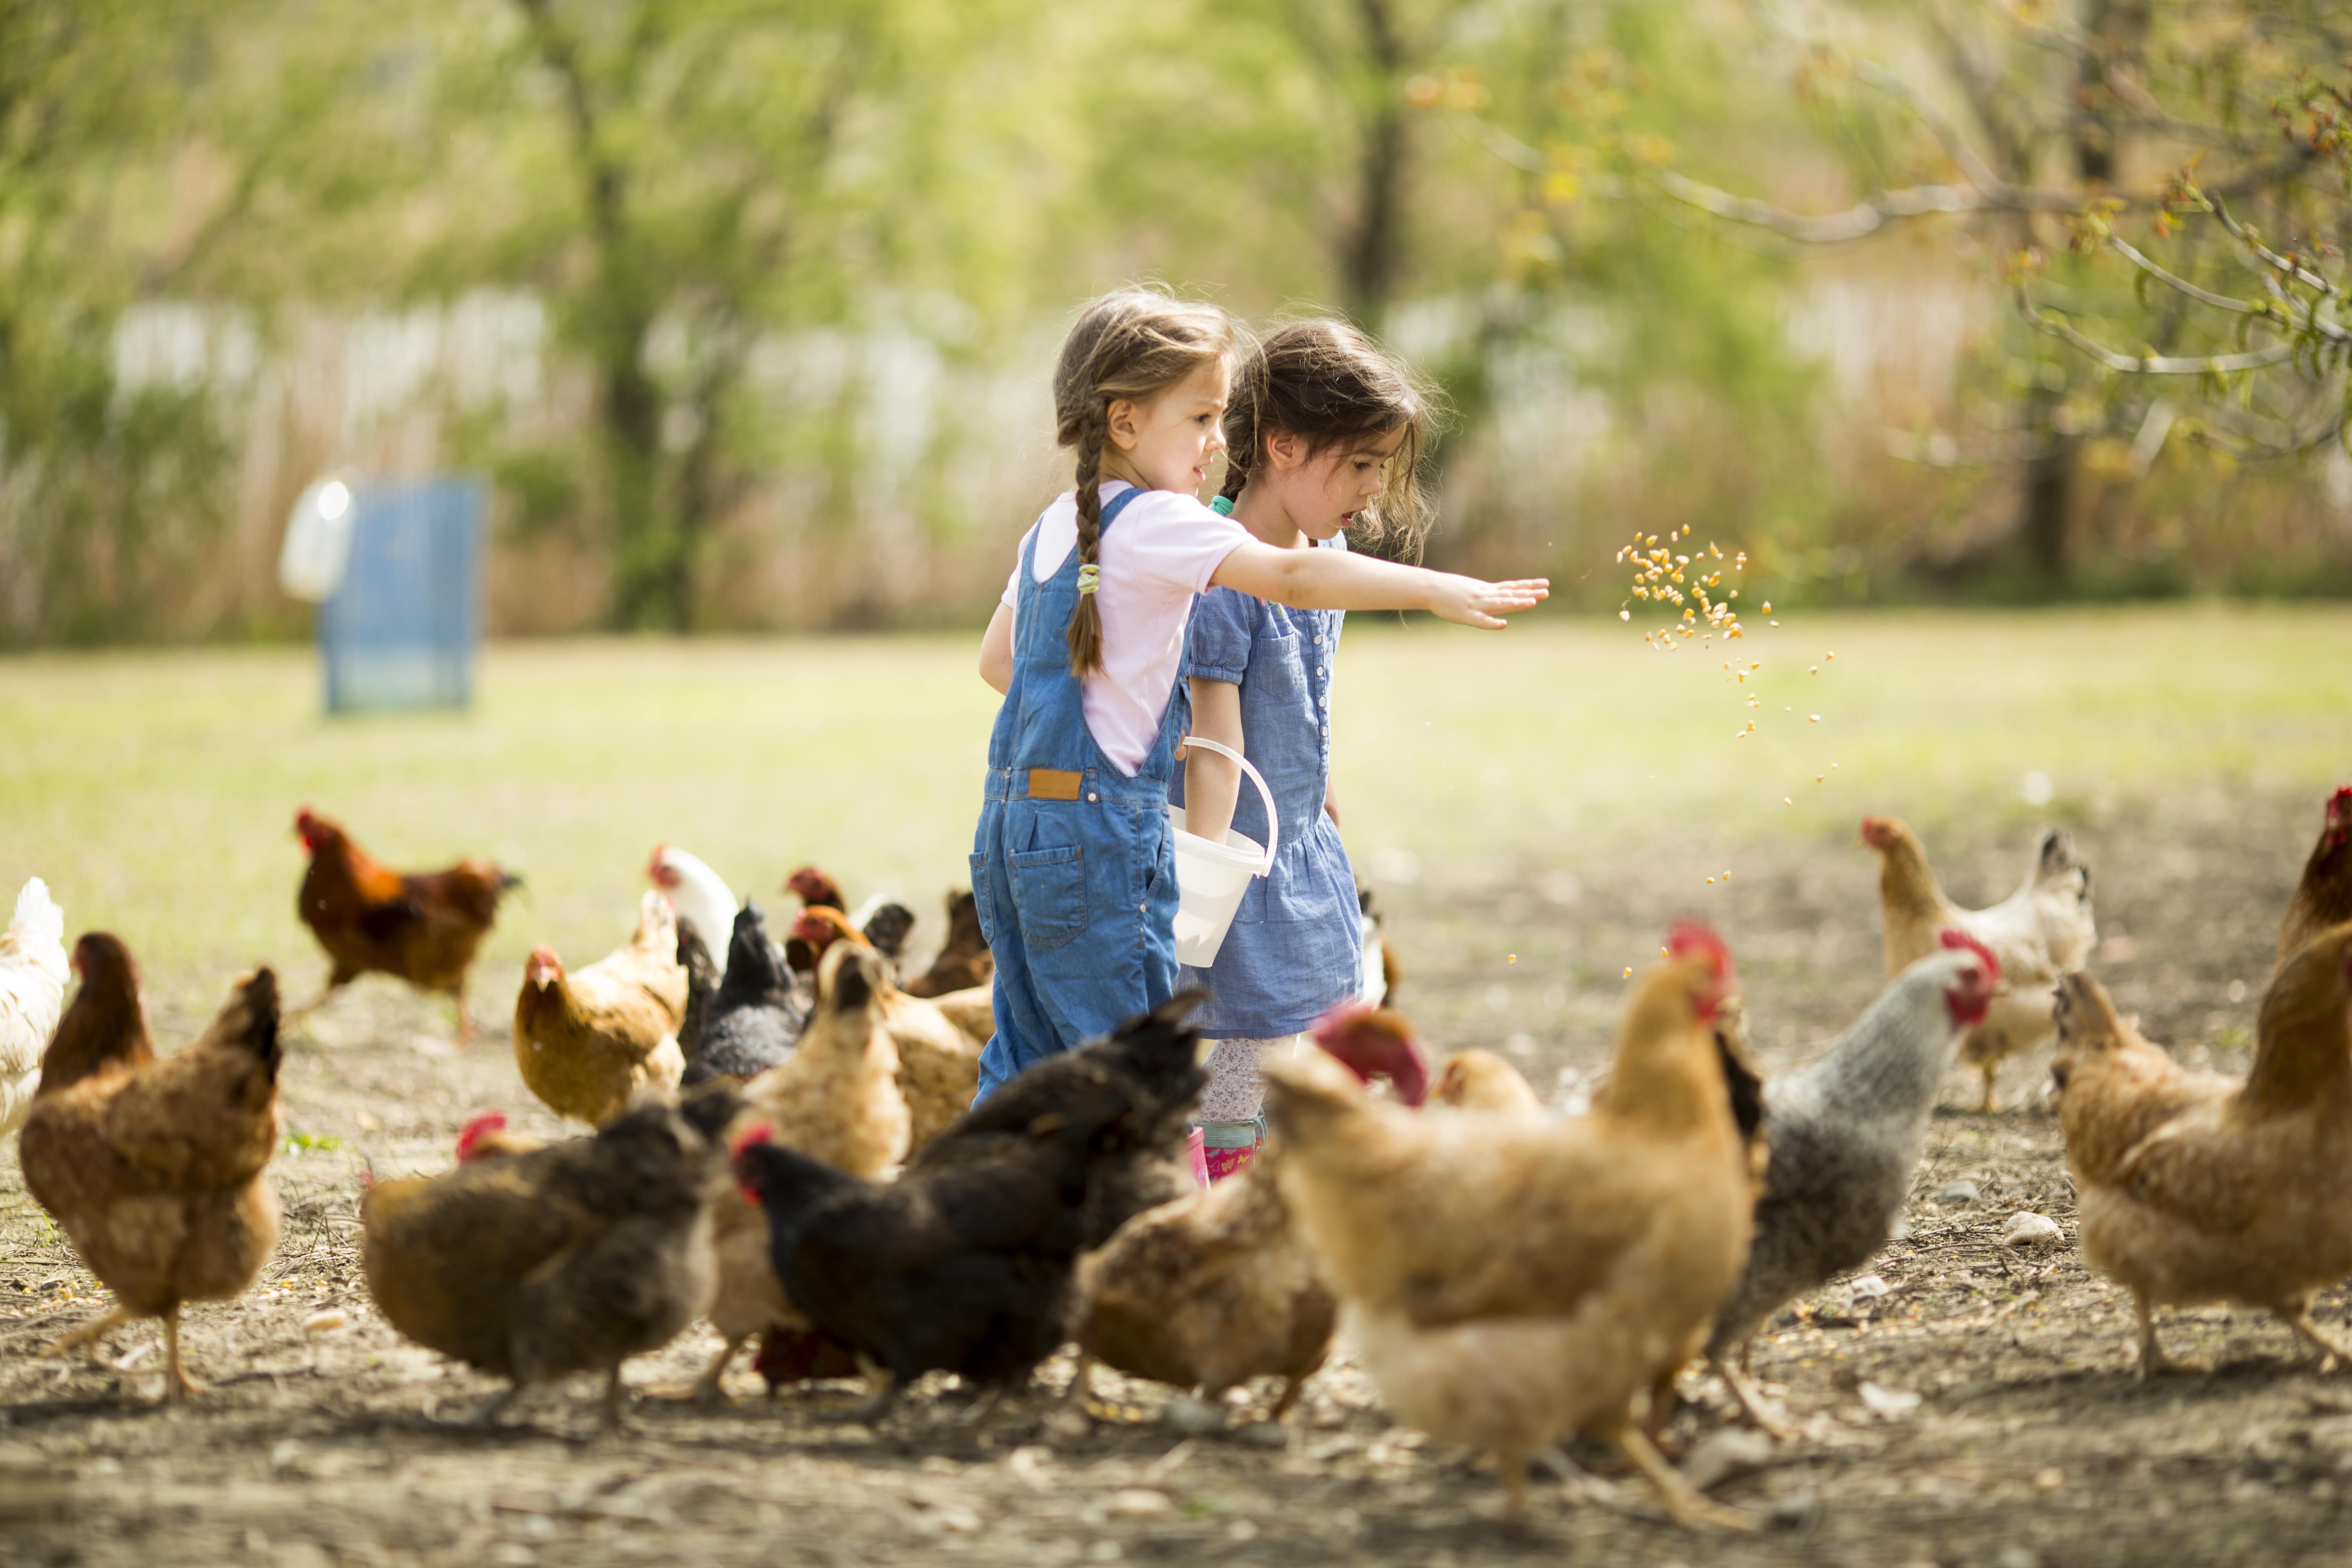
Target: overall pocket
(1049,893)
(984,900)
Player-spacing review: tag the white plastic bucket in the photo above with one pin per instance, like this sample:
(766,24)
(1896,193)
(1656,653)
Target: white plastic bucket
(1211,878)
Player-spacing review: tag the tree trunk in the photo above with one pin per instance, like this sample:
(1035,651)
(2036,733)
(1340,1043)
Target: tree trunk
(2045,509)
(1370,247)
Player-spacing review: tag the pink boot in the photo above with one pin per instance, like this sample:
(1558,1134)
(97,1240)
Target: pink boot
(1193,1151)
(1231,1147)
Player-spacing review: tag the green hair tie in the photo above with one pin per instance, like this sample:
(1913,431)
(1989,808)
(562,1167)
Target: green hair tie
(1089,578)
(1222,506)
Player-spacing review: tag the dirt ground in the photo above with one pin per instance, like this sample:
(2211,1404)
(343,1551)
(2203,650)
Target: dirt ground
(326,1438)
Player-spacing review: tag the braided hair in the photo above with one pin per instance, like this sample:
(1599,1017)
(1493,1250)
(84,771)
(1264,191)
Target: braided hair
(1130,344)
(1326,383)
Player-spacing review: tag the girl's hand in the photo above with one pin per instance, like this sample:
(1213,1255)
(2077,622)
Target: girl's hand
(1467,601)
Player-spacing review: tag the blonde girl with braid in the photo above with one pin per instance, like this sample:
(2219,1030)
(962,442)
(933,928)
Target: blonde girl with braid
(1073,866)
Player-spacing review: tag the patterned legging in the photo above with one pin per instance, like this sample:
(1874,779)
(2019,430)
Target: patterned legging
(1237,1091)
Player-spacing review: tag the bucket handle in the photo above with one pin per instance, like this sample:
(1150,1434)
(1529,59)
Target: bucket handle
(1272,818)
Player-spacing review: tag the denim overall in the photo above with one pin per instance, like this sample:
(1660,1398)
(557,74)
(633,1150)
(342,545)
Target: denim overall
(1296,947)
(1073,865)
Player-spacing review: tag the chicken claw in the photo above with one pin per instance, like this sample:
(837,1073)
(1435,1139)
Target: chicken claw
(86,1337)
(1689,1506)
(710,1387)
(886,1394)
(616,1399)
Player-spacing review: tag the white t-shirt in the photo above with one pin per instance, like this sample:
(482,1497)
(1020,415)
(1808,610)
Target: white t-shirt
(1163,550)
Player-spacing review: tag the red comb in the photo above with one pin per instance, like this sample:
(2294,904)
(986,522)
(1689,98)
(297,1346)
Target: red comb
(1328,1026)
(479,1126)
(758,1132)
(2339,805)
(1959,939)
(1697,936)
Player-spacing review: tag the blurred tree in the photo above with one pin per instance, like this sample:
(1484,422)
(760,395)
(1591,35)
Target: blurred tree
(108,490)
(2068,120)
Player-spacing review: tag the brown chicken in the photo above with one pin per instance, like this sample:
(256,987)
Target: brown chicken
(572,1257)
(963,961)
(2323,896)
(1508,1280)
(939,1062)
(2194,1188)
(1476,1080)
(2041,931)
(156,1170)
(837,1099)
(586,1043)
(424,928)
(1219,1287)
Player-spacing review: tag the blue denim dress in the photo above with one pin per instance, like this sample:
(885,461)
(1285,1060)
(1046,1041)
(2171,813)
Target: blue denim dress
(1295,948)
(1073,865)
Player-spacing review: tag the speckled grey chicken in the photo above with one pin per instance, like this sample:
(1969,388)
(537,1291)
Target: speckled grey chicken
(753,1015)
(1844,1136)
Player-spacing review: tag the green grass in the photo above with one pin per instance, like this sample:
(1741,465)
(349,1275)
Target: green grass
(156,792)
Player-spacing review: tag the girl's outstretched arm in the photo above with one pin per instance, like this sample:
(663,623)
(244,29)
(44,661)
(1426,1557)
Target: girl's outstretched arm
(1212,784)
(996,651)
(1339,580)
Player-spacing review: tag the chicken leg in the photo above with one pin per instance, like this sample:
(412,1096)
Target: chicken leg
(87,1335)
(1992,1070)
(1689,1506)
(1752,1402)
(2335,1352)
(616,1396)
(177,1383)
(709,1388)
(1290,1390)
(2152,1359)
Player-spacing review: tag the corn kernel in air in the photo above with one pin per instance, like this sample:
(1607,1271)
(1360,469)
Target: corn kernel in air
(1813,718)
(1629,974)
(1786,801)
(1624,615)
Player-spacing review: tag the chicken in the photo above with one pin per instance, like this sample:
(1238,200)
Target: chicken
(32,996)
(816,889)
(1477,1079)
(1507,1279)
(751,1021)
(1845,1134)
(835,1100)
(939,1062)
(587,1043)
(697,892)
(157,1170)
(571,1258)
(485,1136)
(2323,896)
(964,963)
(1218,1286)
(885,923)
(2037,933)
(424,928)
(1379,964)
(2195,1189)
(963,1264)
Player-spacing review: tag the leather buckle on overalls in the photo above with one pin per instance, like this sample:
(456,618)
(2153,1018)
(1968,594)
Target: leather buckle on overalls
(1054,783)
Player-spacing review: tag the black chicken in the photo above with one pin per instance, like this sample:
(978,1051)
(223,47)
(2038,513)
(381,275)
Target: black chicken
(752,1017)
(963,1264)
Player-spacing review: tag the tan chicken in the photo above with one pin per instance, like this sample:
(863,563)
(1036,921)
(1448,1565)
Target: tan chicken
(1477,1079)
(939,1061)
(2197,1189)
(1219,1287)
(837,1099)
(2037,933)
(587,1042)
(1508,1280)
(157,1170)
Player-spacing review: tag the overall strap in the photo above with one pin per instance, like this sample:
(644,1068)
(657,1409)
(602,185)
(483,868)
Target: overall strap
(1118,504)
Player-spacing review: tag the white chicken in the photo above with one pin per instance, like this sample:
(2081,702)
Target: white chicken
(32,994)
(698,893)
(2041,932)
